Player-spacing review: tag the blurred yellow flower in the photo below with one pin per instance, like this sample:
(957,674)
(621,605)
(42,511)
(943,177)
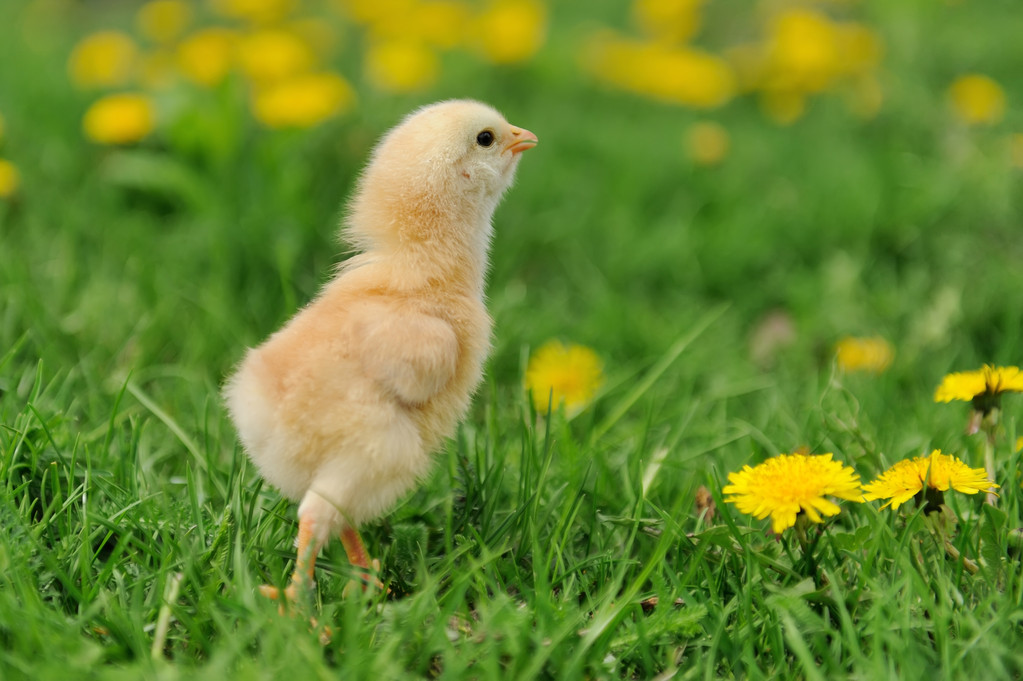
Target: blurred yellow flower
(206,56)
(397,66)
(510,31)
(789,484)
(560,374)
(873,354)
(939,472)
(1019,444)
(669,20)
(679,75)
(442,24)
(859,48)
(988,382)
(273,54)
(163,21)
(119,119)
(977,99)
(803,50)
(806,52)
(708,143)
(303,101)
(255,11)
(371,12)
(10,179)
(104,59)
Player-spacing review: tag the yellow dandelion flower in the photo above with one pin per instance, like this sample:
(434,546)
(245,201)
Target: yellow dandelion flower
(401,26)
(163,21)
(303,101)
(442,24)
(206,56)
(804,51)
(939,472)
(1019,444)
(986,383)
(860,48)
(255,11)
(377,13)
(400,66)
(273,54)
(511,30)
(679,75)
(789,484)
(873,354)
(104,59)
(560,374)
(10,179)
(688,77)
(119,119)
(669,20)
(708,143)
(977,99)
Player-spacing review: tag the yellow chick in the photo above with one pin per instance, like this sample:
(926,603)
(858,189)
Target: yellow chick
(343,407)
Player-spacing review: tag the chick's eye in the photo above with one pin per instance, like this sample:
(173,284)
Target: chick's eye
(485,138)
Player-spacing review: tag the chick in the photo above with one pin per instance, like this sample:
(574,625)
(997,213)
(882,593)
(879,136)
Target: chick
(342,408)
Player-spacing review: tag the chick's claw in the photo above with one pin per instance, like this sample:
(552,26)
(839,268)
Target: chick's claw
(271,592)
(293,593)
(295,603)
(364,581)
(296,598)
(300,591)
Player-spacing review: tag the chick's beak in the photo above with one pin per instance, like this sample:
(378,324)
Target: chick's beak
(521,139)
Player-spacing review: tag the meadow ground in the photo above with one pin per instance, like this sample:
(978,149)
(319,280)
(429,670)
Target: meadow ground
(711,236)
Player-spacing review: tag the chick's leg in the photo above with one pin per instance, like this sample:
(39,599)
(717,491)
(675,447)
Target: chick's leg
(316,520)
(359,558)
(354,547)
(305,561)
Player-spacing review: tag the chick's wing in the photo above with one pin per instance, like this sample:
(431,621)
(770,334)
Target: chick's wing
(411,355)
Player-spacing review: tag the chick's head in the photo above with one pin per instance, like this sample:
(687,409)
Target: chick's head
(439,174)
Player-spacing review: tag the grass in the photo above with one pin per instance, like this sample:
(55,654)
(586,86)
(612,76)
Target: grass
(134,530)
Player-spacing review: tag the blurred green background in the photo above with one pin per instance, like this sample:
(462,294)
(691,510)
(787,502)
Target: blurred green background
(815,159)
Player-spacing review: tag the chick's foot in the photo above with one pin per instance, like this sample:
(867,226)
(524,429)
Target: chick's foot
(299,592)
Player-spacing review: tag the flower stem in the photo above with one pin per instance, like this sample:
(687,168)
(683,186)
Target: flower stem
(989,459)
(801,533)
(954,554)
(807,547)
